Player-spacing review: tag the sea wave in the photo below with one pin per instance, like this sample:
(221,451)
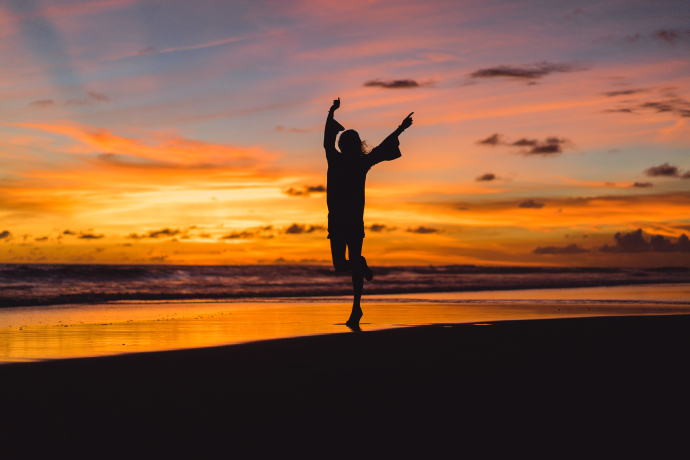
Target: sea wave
(25,285)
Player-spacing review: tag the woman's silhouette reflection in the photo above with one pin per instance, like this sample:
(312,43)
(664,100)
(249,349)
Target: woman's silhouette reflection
(347,175)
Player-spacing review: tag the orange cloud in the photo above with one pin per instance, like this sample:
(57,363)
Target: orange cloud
(159,147)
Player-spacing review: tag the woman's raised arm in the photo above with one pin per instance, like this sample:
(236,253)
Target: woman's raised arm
(332,127)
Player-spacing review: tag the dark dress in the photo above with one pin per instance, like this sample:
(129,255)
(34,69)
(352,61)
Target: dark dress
(347,175)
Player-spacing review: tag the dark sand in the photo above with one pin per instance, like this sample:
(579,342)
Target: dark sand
(567,388)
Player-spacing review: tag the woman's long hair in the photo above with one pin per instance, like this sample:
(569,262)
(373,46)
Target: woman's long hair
(350,143)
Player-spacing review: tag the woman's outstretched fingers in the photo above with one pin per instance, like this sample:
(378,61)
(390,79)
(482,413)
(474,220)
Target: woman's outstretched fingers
(407,122)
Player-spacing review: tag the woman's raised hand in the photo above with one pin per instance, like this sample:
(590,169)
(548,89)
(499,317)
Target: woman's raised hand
(336,104)
(407,122)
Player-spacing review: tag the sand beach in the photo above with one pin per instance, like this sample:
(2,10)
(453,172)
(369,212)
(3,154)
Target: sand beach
(576,384)
(565,388)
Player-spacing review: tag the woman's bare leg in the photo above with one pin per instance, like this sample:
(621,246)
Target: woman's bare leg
(340,263)
(354,250)
(354,265)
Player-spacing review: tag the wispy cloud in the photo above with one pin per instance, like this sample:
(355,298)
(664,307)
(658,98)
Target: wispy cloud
(225,41)
(95,95)
(79,9)
(672,36)
(282,128)
(668,36)
(43,103)
(92,97)
(667,102)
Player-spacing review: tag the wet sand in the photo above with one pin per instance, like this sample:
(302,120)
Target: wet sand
(608,387)
(110,329)
(70,331)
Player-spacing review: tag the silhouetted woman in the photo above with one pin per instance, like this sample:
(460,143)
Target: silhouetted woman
(347,175)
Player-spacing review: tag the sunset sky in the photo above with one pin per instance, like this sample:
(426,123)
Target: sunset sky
(190,132)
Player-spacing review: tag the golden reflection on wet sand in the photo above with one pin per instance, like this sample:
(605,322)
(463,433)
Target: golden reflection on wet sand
(36,333)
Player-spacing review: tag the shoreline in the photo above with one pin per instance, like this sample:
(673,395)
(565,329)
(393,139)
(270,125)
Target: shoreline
(576,386)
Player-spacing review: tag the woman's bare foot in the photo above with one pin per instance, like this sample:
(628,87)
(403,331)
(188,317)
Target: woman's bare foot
(355,316)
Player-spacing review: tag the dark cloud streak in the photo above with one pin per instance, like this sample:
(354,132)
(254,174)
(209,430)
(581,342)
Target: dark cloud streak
(494,139)
(305,191)
(90,236)
(296,229)
(377,228)
(421,230)
(525,142)
(525,72)
(557,250)
(635,242)
(486,177)
(531,204)
(664,170)
(671,36)
(625,92)
(675,105)
(238,235)
(392,84)
(164,233)
(550,146)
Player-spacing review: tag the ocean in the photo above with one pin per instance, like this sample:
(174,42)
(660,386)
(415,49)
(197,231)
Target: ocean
(32,285)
